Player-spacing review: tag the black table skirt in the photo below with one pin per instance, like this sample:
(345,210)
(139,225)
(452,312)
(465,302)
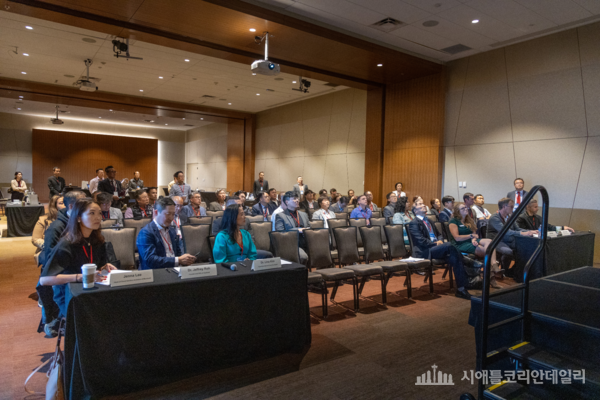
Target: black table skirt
(22,220)
(120,340)
(563,253)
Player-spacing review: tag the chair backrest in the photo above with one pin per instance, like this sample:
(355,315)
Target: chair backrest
(200,220)
(440,228)
(358,223)
(446,230)
(347,244)
(410,240)
(395,240)
(380,222)
(211,245)
(375,214)
(432,218)
(166,191)
(372,245)
(215,213)
(256,218)
(260,234)
(107,223)
(319,255)
(194,237)
(123,242)
(138,224)
(285,245)
(350,207)
(311,211)
(335,223)
(317,224)
(341,215)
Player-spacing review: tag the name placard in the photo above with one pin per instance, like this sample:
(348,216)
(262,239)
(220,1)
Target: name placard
(565,232)
(266,263)
(132,278)
(198,271)
(552,234)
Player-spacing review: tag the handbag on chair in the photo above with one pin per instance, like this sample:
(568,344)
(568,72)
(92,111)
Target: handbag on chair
(55,385)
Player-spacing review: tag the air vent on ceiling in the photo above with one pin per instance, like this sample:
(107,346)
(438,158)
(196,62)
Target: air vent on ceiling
(269,90)
(208,96)
(387,24)
(189,125)
(457,48)
(331,84)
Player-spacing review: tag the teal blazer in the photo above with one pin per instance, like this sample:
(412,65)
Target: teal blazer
(226,250)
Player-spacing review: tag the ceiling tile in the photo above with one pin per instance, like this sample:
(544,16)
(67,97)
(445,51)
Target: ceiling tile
(396,9)
(433,6)
(558,11)
(347,10)
(489,27)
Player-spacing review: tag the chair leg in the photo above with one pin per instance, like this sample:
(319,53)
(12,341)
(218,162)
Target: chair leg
(383,289)
(450,276)
(426,278)
(355,290)
(324,298)
(430,273)
(363,280)
(334,290)
(409,281)
(445,273)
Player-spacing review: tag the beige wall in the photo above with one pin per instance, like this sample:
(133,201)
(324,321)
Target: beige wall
(322,139)
(530,110)
(206,157)
(15,143)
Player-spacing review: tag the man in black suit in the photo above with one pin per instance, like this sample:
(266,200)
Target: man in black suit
(530,220)
(340,206)
(446,213)
(273,198)
(263,207)
(56,183)
(425,244)
(293,220)
(518,194)
(390,209)
(261,185)
(309,203)
(111,185)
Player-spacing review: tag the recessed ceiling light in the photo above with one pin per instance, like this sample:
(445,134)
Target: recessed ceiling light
(19,109)
(141,90)
(160,77)
(183,119)
(252,30)
(293,81)
(26,55)
(151,120)
(186,60)
(229,103)
(100,117)
(109,110)
(202,119)
(166,124)
(475,21)
(380,65)
(24,73)
(258,94)
(28,27)
(254,73)
(20,97)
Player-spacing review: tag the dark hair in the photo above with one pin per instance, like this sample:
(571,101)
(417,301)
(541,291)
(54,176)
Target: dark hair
(219,191)
(309,192)
(240,192)
(432,202)
(177,173)
(52,209)
(401,205)
(272,190)
(387,196)
(503,202)
(467,195)
(109,167)
(469,222)
(229,221)
(446,199)
(72,196)
(519,179)
(359,197)
(415,199)
(103,198)
(55,168)
(72,232)
(350,190)
(398,183)
(289,195)
(321,200)
(262,195)
(163,203)
(343,199)
(151,188)
(17,173)
(99,169)
(323,191)
(477,195)
(138,193)
(332,190)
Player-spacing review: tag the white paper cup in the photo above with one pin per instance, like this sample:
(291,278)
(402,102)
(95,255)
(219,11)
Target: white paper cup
(88,272)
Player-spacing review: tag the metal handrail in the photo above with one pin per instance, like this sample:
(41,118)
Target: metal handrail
(485,295)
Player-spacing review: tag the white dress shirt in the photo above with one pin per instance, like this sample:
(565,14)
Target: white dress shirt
(479,214)
(166,239)
(94,185)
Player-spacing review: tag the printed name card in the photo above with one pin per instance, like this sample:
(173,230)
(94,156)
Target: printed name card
(198,271)
(565,232)
(132,278)
(266,263)
(552,234)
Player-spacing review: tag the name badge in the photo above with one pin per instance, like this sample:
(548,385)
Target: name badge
(116,194)
(197,271)
(565,232)
(132,278)
(266,263)
(552,234)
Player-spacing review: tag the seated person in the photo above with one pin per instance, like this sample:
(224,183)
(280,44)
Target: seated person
(82,243)
(233,243)
(402,212)
(426,245)
(419,200)
(462,228)
(141,208)
(242,196)
(219,205)
(323,193)
(194,209)
(293,220)
(389,210)
(273,201)
(351,198)
(446,213)
(362,210)
(323,213)
(436,207)
(480,212)
(340,206)
(152,195)
(180,218)
(158,243)
(37,237)
(309,202)
(530,220)
(108,212)
(282,207)
(370,205)
(262,207)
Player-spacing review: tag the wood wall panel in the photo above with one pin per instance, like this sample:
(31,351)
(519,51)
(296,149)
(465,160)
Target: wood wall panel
(78,155)
(235,155)
(414,131)
(374,139)
(249,153)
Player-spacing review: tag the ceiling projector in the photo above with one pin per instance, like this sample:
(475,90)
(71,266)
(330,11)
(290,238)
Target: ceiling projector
(265,67)
(56,121)
(85,84)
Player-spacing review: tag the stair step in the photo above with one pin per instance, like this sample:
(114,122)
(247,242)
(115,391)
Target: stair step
(517,391)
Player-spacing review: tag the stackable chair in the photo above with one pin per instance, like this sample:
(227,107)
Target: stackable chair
(194,238)
(107,223)
(342,215)
(256,218)
(285,245)
(123,242)
(200,220)
(429,268)
(215,214)
(358,223)
(316,224)
(380,221)
(335,223)
(138,224)
(260,235)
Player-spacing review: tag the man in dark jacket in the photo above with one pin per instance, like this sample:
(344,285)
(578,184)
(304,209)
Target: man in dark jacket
(530,220)
(56,183)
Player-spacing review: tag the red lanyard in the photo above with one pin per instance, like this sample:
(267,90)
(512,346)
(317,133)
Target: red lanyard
(265,211)
(295,219)
(177,222)
(91,256)
(144,211)
(197,213)
(166,241)
(326,214)
(19,182)
(181,187)
(363,213)
(371,207)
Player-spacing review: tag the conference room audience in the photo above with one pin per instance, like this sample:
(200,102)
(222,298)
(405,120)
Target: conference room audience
(180,218)
(446,213)
(180,188)
(462,228)
(530,219)
(56,183)
(82,243)
(218,205)
(309,202)
(111,185)
(273,198)
(124,187)
(233,243)
(419,200)
(141,208)
(426,244)
(282,207)
(242,196)
(480,212)
(158,244)
(351,197)
(152,195)
(300,188)
(469,200)
(93,184)
(263,207)
(390,209)
(323,213)
(323,193)
(136,183)
(436,206)
(39,231)
(216,224)
(105,200)
(398,192)
(332,194)
(362,210)
(403,213)
(518,194)
(372,206)
(293,220)
(340,206)
(194,209)
(18,187)
(261,185)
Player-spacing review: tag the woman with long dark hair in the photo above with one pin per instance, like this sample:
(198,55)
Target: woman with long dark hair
(39,231)
(18,187)
(233,242)
(81,243)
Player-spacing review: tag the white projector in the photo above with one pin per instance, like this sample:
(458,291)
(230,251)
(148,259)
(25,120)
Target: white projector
(88,86)
(264,67)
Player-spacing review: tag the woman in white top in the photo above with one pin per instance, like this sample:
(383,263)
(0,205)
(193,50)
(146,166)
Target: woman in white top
(323,212)
(18,187)
(398,191)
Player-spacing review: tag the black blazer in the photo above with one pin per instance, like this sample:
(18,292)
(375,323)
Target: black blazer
(526,222)
(304,206)
(256,189)
(106,186)
(445,216)
(420,238)
(56,186)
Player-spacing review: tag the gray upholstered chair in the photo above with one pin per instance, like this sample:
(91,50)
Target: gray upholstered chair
(256,218)
(345,238)
(316,224)
(211,246)
(194,239)
(123,242)
(342,215)
(380,221)
(260,235)
(375,214)
(200,220)
(358,223)
(432,218)
(317,284)
(285,245)
(214,214)
(319,257)
(107,223)
(335,223)
(138,224)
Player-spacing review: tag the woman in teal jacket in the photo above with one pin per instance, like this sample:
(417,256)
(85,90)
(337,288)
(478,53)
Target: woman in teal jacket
(233,243)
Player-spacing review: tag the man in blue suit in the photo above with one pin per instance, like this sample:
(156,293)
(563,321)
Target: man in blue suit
(158,243)
(264,207)
(446,213)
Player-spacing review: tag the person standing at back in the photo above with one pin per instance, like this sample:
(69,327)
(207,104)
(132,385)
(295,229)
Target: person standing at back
(180,188)
(111,185)
(261,185)
(300,188)
(56,183)
(518,194)
(136,183)
(93,186)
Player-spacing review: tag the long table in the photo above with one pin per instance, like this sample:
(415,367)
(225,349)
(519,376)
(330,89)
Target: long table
(22,219)
(120,340)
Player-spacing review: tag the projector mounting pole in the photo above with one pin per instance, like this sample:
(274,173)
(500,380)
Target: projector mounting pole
(266,46)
